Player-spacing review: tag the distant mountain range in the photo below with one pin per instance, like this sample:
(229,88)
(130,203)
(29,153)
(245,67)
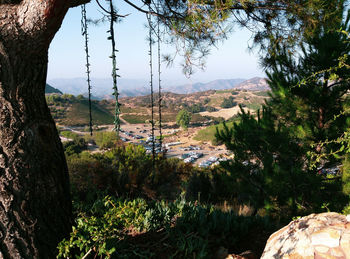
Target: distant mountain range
(253,84)
(220,84)
(102,88)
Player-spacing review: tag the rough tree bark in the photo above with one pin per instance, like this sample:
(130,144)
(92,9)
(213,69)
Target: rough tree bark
(35,204)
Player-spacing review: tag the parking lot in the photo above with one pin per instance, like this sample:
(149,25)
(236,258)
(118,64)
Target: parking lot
(199,154)
(195,152)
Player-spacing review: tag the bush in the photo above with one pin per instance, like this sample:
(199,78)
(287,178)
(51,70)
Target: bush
(74,147)
(69,134)
(196,108)
(228,103)
(211,109)
(125,171)
(206,100)
(106,139)
(178,229)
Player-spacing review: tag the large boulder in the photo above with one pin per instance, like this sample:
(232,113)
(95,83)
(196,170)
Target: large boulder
(325,235)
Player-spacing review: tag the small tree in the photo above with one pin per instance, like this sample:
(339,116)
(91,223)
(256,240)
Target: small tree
(183,119)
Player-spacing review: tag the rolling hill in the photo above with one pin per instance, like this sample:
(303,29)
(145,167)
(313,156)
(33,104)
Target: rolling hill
(206,106)
(72,111)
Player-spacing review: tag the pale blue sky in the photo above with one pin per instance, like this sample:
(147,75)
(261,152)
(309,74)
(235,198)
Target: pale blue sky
(66,54)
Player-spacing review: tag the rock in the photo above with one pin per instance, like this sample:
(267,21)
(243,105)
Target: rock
(325,235)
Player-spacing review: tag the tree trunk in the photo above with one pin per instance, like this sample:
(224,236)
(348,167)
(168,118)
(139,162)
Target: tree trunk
(35,204)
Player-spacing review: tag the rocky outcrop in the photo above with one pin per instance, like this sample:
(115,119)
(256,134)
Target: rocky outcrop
(325,235)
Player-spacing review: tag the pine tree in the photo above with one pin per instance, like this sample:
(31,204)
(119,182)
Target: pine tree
(306,109)
(307,93)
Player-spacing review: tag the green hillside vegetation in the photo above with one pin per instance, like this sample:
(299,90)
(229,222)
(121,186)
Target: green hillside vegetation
(262,93)
(252,106)
(51,90)
(78,114)
(208,134)
(74,111)
(228,102)
(142,118)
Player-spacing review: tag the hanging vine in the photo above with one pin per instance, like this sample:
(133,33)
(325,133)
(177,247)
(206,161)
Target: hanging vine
(149,19)
(113,18)
(159,83)
(84,32)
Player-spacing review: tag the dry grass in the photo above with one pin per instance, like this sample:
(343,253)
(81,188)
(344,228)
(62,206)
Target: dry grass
(224,113)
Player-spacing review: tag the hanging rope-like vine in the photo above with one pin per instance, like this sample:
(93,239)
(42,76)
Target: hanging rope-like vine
(84,32)
(149,19)
(159,83)
(113,18)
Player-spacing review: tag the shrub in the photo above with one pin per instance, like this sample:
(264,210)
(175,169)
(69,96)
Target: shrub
(178,229)
(211,109)
(228,103)
(183,118)
(125,171)
(106,139)
(76,146)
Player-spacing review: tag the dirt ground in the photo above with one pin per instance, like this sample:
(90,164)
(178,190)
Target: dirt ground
(224,113)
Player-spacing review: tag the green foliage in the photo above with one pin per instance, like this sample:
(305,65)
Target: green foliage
(346,175)
(74,147)
(125,171)
(253,106)
(306,109)
(180,230)
(206,101)
(196,108)
(78,114)
(267,166)
(69,110)
(69,134)
(135,118)
(228,102)
(208,133)
(263,93)
(210,109)
(105,139)
(183,118)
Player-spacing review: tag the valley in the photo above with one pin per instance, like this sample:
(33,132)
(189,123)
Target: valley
(209,109)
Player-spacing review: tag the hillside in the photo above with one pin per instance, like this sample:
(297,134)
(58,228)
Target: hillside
(51,90)
(253,84)
(69,110)
(205,106)
(208,103)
